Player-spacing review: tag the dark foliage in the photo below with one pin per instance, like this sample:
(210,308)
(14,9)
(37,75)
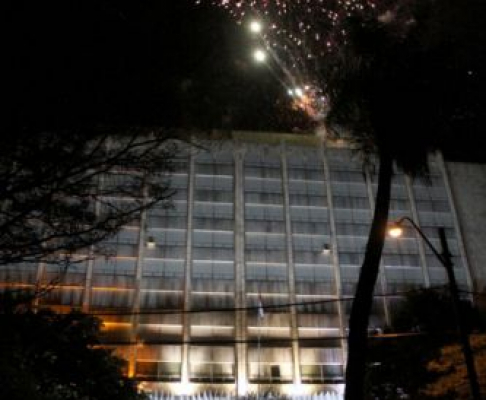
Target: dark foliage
(399,90)
(397,364)
(48,356)
(412,80)
(431,311)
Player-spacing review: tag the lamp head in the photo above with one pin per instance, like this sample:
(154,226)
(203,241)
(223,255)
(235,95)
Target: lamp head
(151,242)
(326,249)
(395,230)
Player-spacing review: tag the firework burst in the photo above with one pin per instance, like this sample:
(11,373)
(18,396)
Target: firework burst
(298,35)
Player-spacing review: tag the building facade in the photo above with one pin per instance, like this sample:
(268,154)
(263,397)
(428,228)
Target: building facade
(244,284)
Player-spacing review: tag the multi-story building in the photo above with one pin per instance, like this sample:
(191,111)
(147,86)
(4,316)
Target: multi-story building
(243,285)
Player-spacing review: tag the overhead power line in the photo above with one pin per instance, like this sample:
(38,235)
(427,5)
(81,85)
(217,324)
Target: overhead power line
(250,308)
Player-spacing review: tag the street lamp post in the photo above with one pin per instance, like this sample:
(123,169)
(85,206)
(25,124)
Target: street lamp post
(445,259)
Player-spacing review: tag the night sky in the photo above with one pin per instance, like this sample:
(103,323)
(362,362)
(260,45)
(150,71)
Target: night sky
(146,62)
(105,61)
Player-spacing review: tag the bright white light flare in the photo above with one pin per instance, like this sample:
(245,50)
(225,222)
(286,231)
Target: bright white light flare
(255,26)
(259,55)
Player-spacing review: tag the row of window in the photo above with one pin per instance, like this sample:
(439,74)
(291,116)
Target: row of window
(225,372)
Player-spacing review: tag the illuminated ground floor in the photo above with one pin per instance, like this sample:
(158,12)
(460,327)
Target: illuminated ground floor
(158,391)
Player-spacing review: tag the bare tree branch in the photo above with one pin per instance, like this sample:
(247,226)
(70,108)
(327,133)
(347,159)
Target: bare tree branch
(51,182)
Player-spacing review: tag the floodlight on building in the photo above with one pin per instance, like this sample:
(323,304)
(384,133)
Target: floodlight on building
(296,390)
(151,243)
(326,249)
(182,388)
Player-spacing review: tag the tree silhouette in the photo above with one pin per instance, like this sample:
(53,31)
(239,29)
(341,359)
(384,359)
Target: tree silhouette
(61,192)
(422,325)
(397,91)
(49,356)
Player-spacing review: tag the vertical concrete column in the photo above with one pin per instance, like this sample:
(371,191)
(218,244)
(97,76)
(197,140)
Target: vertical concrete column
(39,283)
(240,283)
(294,328)
(186,327)
(455,219)
(135,319)
(420,242)
(382,275)
(334,250)
(88,281)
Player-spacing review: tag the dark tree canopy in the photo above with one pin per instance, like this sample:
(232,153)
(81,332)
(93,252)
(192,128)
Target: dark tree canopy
(412,80)
(48,356)
(397,90)
(422,325)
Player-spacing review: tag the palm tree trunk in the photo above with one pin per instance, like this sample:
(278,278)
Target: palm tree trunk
(363,300)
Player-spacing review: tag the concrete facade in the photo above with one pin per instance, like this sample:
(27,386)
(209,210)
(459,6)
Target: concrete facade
(235,293)
(468,184)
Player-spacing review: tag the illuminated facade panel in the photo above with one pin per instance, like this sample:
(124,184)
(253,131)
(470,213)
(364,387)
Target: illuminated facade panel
(243,284)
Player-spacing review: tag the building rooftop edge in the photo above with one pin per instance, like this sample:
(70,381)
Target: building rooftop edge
(306,139)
